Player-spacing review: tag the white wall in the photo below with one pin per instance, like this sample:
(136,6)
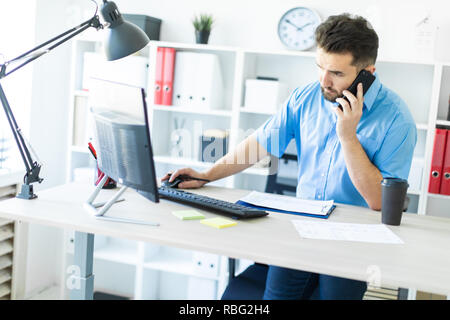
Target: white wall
(49,109)
(13,42)
(253,23)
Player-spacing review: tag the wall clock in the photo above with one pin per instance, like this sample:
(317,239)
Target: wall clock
(296,28)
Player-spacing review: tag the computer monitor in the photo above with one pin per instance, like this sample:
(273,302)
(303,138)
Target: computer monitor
(122,138)
(125,151)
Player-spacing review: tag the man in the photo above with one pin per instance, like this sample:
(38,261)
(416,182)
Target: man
(343,154)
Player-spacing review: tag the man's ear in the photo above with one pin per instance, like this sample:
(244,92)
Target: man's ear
(370,68)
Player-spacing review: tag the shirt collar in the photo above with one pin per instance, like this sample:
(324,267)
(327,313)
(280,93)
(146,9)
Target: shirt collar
(372,93)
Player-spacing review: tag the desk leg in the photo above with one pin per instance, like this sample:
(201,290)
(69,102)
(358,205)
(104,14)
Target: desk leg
(231,269)
(402,294)
(83,261)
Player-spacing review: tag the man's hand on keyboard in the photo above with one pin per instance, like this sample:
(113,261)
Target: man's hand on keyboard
(188,184)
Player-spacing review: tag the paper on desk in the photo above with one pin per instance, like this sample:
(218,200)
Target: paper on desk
(288,203)
(326,230)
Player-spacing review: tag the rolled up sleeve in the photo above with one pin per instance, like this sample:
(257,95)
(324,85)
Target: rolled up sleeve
(394,157)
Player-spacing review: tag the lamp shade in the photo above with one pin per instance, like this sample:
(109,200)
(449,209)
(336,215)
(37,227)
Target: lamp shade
(122,38)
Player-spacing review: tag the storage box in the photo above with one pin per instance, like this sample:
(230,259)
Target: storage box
(264,95)
(198,81)
(151,26)
(213,145)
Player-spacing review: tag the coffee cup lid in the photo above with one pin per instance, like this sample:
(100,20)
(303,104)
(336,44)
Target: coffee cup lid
(388,182)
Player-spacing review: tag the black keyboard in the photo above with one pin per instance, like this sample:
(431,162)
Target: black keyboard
(236,211)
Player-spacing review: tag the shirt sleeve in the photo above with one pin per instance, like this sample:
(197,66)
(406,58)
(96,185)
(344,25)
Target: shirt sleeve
(394,157)
(276,133)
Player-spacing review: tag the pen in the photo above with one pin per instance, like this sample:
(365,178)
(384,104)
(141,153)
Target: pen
(92,150)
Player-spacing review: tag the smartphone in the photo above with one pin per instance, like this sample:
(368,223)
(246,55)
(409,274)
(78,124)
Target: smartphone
(366,78)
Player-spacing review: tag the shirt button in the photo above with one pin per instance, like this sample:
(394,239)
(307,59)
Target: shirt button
(323,174)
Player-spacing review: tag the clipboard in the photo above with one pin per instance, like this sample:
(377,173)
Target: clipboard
(325,216)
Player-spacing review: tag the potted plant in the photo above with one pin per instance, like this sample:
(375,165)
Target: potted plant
(202,24)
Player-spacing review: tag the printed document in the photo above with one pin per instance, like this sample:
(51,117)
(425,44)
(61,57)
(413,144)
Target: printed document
(326,230)
(288,203)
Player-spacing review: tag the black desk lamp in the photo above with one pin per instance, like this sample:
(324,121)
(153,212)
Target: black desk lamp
(122,39)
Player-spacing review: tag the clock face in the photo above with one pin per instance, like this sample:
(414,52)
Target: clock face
(296,28)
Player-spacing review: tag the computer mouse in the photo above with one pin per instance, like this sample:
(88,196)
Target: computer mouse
(173,184)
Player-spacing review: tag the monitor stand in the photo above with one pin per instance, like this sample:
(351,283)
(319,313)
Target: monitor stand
(91,207)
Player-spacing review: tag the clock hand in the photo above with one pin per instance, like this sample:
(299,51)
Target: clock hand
(289,21)
(301,28)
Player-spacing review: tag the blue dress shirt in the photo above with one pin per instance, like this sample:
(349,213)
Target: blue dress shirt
(386,131)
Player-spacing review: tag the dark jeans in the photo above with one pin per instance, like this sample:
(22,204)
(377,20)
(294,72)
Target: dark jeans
(289,284)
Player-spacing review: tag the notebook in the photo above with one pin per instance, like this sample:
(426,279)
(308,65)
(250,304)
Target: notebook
(287,204)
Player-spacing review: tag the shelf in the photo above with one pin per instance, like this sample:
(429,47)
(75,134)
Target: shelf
(117,252)
(6,247)
(247,110)
(5,289)
(81,93)
(199,164)
(5,275)
(422,126)
(439,196)
(426,62)
(5,261)
(10,177)
(413,192)
(182,161)
(4,222)
(419,126)
(6,233)
(294,53)
(174,264)
(221,113)
(257,171)
(443,122)
(193,46)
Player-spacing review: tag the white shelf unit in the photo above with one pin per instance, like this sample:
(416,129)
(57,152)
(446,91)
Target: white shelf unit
(424,85)
(9,239)
(149,271)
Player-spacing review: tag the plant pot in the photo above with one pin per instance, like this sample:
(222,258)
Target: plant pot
(201,36)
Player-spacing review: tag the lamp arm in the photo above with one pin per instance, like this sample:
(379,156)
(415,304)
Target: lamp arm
(33,167)
(69,34)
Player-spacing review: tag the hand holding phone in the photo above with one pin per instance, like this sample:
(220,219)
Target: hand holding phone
(364,77)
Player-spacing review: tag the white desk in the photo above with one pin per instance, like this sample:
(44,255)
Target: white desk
(422,262)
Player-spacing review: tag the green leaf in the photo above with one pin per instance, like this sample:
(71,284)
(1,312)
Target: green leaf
(203,22)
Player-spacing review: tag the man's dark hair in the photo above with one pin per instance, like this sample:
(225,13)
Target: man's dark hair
(349,34)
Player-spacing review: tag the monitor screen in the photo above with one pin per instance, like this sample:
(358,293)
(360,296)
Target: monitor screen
(122,135)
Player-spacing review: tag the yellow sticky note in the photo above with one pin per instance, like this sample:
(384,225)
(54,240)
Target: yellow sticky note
(188,214)
(219,223)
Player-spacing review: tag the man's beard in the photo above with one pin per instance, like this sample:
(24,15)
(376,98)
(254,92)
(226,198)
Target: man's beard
(330,96)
